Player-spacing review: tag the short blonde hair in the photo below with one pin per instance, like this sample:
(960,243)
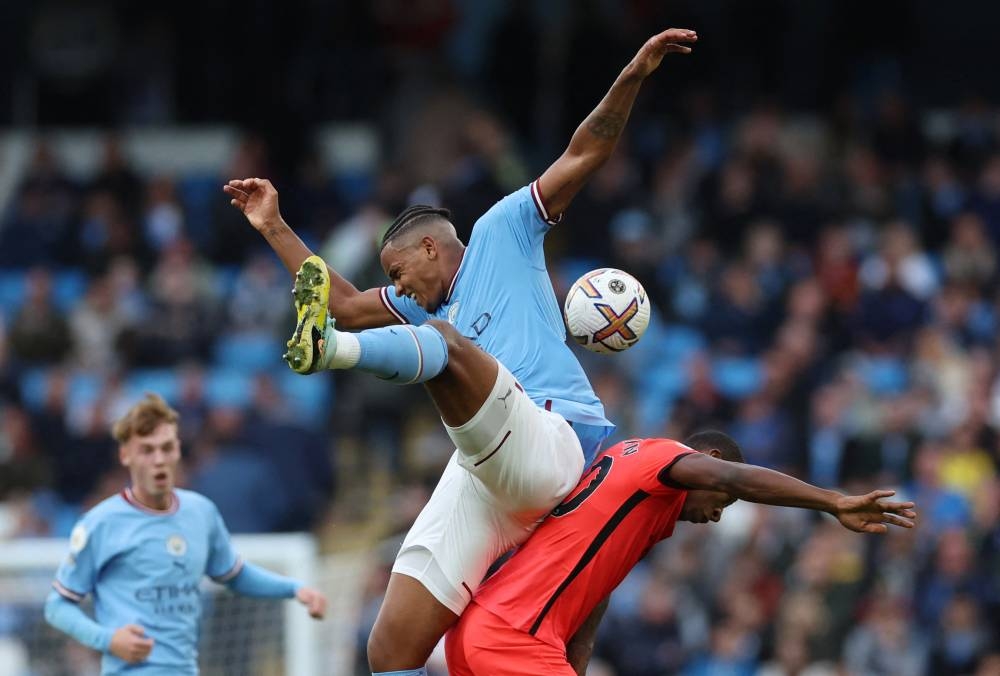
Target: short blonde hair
(143,418)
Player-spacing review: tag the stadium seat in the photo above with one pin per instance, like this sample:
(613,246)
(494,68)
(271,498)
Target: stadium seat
(228,387)
(12,286)
(34,386)
(652,412)
(737,377)
(68,288)
(680,342)
(883,375)
(310,397)
(161,381)
(354,186)
(198,193)
(249,351)
(83,389)
(224,280)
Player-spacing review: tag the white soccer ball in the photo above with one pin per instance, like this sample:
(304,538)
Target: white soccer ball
(606,310)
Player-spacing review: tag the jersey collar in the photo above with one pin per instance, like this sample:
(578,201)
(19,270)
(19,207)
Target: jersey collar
(130,498)
(451,287)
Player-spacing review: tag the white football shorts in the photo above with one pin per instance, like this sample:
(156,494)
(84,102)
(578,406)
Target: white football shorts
(514,463)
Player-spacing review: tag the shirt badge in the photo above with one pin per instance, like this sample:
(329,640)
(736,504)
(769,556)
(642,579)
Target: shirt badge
(176,545)
(453,313)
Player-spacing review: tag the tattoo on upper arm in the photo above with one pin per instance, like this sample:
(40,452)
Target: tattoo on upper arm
(607,125)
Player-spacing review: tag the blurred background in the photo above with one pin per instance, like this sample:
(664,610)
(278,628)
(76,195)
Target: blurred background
(811,199)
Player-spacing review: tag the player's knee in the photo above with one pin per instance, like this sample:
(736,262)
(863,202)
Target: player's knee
(393,653)
(458,346)
(378,654)
(452,337)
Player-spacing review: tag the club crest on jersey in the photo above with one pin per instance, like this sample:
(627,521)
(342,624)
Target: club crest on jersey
(176,545)
(453,313)
(77,539)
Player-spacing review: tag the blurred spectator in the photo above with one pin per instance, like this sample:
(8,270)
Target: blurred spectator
(163,220)
(737,319)
(22,460)
(232,238)
(259,301)
(885,643)
(97,325)
(660,640)
(962,639)
(38,228)
(117,178)
(985,199)
(181,310)
(39,333)
(969,257)
(231,470)
(108,232)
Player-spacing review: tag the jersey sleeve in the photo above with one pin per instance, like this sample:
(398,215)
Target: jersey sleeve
(77,574)
(223,562)
(403,308)
(660,456)
(522,215)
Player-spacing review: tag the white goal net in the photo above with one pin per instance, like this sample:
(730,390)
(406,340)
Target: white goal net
(239,636)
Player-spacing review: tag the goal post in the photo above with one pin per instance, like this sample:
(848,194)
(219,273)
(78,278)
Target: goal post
(266,637)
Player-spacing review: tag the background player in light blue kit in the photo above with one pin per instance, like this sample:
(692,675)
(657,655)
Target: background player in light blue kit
(142,554)
(514,460)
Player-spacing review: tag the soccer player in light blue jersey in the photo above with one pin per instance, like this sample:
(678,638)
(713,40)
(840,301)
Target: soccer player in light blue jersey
(143,553)
(523,416)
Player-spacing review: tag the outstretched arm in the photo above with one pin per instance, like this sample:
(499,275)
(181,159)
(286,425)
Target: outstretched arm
(258,200)
(871,513)
(595,139)
(260,583)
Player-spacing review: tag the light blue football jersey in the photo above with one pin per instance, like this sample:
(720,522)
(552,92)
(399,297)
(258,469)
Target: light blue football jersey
(144,567)
(502,299)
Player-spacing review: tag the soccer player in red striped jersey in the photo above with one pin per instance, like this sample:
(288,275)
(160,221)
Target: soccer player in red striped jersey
(522,618)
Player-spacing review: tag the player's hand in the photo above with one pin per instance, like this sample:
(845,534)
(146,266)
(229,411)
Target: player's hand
(670,41)
(257,199)
(874,513)
(131,644)
(314,601)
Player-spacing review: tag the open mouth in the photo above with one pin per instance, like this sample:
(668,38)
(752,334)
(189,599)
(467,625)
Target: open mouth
(160,477)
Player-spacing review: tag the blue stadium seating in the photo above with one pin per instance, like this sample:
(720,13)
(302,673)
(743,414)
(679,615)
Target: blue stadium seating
(737,377)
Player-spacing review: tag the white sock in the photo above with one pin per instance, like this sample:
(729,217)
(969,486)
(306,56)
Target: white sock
(346,351)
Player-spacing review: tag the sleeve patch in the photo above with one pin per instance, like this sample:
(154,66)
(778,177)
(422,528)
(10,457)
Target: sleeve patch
(78,539)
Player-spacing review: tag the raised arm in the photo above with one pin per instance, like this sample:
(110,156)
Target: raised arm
(871,513)
(258,200)
(595,139)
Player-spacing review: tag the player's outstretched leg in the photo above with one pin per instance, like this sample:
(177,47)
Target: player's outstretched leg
(402,354)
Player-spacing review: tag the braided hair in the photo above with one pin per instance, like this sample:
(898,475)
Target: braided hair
(411,217)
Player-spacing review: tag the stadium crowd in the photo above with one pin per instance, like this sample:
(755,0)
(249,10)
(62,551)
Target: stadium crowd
(824,289)
(827,294)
